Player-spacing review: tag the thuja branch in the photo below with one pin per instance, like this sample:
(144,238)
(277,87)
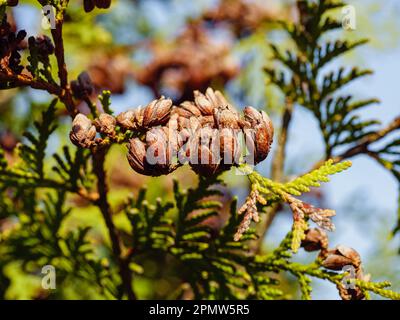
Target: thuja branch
(268,193)
(362,147)
(22,80)
(13,74)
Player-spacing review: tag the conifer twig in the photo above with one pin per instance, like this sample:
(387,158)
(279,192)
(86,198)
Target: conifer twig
(362,146)
(66,94)
(104,206)
(23,80)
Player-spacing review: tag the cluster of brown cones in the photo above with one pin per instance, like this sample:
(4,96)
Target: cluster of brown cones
(205,133)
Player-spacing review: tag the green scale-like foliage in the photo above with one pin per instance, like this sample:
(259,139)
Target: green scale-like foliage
(299,185)
(38,201)
(215,261)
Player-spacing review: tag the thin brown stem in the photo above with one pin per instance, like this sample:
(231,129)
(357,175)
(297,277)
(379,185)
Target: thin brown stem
(103,204)
(23,80)
(66,94)
(362,146)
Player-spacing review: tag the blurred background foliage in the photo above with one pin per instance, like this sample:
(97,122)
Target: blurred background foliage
(141,49)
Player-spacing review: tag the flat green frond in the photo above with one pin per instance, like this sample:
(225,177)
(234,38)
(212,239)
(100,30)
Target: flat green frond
(33,153)
(314,178)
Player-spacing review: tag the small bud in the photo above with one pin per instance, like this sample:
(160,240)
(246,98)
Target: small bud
(341,256)
(83,87)
(43,45)
(210,101)
(10,44)
(105,124)
(88,5)
(131,119)
(205,106)
(157,112)
(103,4)
(83,131)
(315,240)
(20,36)
(216,98)
(226,117)
(12,3)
